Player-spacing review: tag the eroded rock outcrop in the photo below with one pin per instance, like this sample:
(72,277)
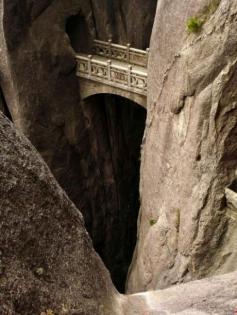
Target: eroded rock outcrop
(46,256)
(186,229)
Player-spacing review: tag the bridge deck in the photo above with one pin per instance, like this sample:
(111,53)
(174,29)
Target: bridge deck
(117,63)
(114,65)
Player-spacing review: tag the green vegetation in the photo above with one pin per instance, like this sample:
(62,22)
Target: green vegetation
(152,222)
(194,24)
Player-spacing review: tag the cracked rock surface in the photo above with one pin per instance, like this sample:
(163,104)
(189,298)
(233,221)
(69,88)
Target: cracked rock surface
(190,152)
(47,260)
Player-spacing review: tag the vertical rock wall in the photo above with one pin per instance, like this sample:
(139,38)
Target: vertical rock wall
(186,228)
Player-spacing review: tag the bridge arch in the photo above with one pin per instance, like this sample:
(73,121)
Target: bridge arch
(89,88)
(113,69)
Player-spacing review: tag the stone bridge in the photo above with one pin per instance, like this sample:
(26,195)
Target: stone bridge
(114,69)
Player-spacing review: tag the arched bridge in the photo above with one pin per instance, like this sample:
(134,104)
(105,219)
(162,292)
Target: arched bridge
(114,69)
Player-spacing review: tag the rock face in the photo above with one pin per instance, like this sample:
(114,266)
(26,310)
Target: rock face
(212,296)
(46,256)
(90,147)
(125,21)
(187,223)
(47,262)
(186,228)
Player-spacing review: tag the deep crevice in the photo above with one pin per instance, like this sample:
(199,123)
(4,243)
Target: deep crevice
(109,164)
(3,106)
(115,127)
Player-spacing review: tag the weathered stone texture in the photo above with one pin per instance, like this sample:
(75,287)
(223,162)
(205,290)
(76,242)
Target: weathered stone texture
(38,79)
(46,257)
(125,21)
(212,296)
(186,229)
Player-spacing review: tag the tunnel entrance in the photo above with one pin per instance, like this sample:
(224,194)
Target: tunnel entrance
(115,128)
(78,33)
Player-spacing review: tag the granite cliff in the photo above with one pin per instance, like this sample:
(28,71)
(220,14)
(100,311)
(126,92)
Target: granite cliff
(186,207)
(190,152)
(92,147)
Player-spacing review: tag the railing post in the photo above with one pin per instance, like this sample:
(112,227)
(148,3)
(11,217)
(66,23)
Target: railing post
(89,65)
(128,52)
(109,69)
(147,55)
(129,75)
(110,47)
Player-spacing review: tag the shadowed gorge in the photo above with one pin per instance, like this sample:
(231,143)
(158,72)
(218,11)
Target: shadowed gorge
(115,129)
(118,163)
(108,162)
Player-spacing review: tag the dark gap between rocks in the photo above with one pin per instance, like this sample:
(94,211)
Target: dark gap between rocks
(115,127)
(3,106)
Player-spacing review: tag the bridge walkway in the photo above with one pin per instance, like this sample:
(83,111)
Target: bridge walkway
(117,63)
(120,68)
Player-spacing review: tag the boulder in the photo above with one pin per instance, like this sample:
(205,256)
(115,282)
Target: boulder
(47,261)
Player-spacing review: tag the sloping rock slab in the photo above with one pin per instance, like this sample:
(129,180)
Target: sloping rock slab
(212,296)
(47,261)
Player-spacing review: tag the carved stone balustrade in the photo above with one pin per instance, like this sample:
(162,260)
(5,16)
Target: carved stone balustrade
(117,66)
(123,53)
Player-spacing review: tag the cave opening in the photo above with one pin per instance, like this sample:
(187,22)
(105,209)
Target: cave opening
(115,128)
(78,33)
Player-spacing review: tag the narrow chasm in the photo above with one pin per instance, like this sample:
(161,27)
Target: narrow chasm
(109,167)
(115,127)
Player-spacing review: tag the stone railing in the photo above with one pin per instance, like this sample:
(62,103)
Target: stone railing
(123,53)
(125,77)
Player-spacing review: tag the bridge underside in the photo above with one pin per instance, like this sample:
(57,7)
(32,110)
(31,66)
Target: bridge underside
(89,88)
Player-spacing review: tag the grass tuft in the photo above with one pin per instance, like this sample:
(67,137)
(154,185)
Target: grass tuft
(152,222)
(194,24)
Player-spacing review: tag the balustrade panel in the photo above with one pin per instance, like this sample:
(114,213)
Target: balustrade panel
(123,53)
(119,54)
(101,51)
(115,75)
(100,71)
(139,82)
(82,66)
(138,59)
(119,76)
